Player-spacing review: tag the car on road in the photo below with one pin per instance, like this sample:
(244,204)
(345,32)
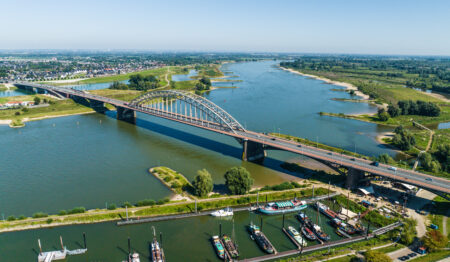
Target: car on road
(428,179)
(393,168)
(330,153)
(273,138)
(299,145)
(375,163)
(353,159)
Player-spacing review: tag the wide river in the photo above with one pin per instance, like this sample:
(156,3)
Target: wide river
(92,160)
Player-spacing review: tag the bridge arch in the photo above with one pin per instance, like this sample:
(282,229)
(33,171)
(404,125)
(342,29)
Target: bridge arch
(190,105)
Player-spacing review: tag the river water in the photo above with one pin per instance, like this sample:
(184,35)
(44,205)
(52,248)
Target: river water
(94,160)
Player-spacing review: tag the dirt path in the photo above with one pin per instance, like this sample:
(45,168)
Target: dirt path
(430,141)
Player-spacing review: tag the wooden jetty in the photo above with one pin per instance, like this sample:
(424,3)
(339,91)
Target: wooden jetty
(291,238)
(326,245)
(59,254)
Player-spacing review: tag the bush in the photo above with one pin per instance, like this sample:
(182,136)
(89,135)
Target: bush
(62,212)
(77,210)
(146,202)
(434,240)
(376,256)
(383,115)
(11,218)
(49,220)
(168,179)
(163,201)
(112,206)
(126,204)
(175,185)
(39,215)
(17,113)
(21,217)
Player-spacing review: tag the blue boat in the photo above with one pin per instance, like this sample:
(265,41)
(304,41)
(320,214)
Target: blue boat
(275,208)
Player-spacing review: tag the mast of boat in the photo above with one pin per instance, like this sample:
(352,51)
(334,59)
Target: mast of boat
(154,232)
(84,240)
(233,235)
(317,214)
(62,245)
(40,247)
(160,240)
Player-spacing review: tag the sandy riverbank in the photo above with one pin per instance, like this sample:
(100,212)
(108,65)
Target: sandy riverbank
(26,119)
(347,86)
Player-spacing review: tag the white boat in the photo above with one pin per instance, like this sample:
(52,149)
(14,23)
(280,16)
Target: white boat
(134,257)
(223,212)
(296,235)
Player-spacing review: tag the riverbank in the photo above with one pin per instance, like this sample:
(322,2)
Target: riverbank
(152,209)
(347,86)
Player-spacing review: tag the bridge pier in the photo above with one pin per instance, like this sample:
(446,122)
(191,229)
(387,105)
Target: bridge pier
(354,177)
(252,151)
(98,106)
(127,115)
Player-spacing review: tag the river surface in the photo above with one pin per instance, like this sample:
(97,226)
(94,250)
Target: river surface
(94,160)
(91,160)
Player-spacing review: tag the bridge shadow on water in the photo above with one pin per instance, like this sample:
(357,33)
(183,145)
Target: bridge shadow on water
(206,143)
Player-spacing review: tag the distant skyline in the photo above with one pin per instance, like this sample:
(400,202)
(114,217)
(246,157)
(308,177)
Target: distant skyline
(351,27)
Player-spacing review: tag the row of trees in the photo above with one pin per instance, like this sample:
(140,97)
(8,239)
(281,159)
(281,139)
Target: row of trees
(137,82)
(409,107)
(237,180)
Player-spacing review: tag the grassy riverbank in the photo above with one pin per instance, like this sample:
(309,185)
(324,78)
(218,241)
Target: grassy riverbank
(173,180)
(149,208)
(53,108)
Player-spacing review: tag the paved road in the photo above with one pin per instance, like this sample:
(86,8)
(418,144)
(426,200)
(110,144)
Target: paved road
(407,176)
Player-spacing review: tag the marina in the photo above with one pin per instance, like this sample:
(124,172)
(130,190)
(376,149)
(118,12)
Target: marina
(49,256)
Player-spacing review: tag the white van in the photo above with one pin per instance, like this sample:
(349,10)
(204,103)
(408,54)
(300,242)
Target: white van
(392,168)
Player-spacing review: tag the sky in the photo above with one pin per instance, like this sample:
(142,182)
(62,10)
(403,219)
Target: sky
(314,26)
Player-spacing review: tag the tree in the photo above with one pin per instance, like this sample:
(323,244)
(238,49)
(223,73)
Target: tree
(434,240)
(394,110)
(376,256)
(238,180)
(203,183)
(428,163)
(409,231)
(37,100)
(382,114)
(205,80)
(384,158)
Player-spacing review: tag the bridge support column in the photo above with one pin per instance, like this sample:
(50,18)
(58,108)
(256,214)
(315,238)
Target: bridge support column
(127,115)
(98,106)
(252,151)
(354,177)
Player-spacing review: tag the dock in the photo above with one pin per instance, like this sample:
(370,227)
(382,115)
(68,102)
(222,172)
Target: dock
(274,249)
(203,213)
(326,245)
(59,254)
(291,238)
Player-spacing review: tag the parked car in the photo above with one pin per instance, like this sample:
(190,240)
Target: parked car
(433,226)
(375,163)
(428,179)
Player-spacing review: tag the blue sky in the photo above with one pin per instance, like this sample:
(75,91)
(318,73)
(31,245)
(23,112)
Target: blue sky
(313,26)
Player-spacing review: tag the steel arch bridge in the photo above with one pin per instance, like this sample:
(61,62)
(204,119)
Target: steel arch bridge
(183,104)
